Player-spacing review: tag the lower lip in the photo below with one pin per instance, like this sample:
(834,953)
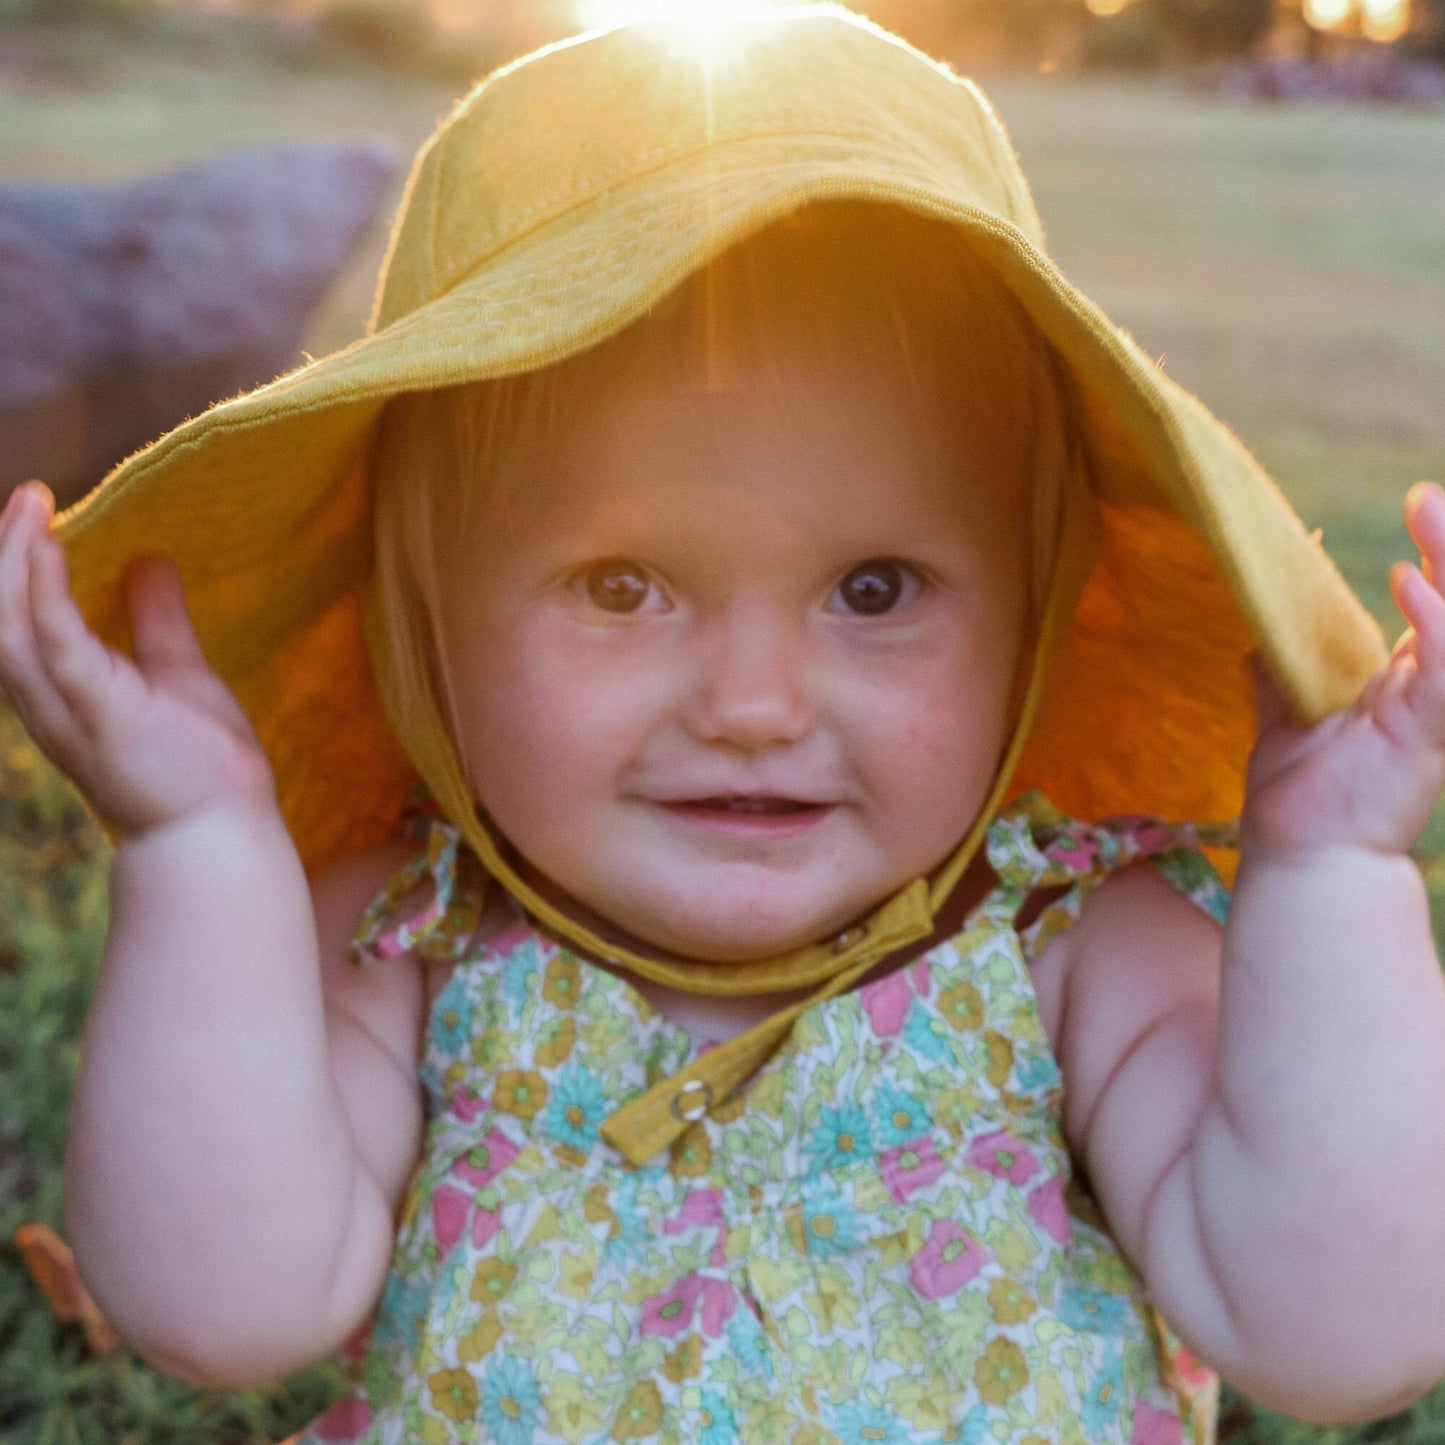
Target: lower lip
(750,825)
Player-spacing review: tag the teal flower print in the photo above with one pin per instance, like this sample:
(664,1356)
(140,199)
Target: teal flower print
(398,1317)
(717,1424)
(629,1244)
(897,1116)
(749,1345)
(926,1036)
(510,1403)
(451,1019)
(841,1136)
(830,1223)
(519,974)
(861,1424)
(1101,1404)
(1036,1072)
(1090,1309)
(577,1106)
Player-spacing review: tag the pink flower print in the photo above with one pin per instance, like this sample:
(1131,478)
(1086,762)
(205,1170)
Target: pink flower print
(485,1223)
(1155,1427)
(479,1166)
(910,1166)
(1004,1157)
(449,1208)
(886,1001)
(948,1260)
(719,1300)
(922,976)
(465,1104)
(702,1206)
(1152,837)
(1046,1204)
(504,942)
(671,1312)
(1074,851)
(345,1420)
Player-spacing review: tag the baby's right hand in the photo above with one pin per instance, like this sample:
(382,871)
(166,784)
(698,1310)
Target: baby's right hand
(148,739)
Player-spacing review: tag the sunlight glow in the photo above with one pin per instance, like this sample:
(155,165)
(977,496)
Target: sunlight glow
(701,19)
(1327,14)
(1386,20)
(1382,20)
(1106,8)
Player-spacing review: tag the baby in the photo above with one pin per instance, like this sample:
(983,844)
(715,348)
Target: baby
(739,510)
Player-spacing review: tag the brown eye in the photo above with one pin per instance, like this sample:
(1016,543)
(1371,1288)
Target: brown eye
(617,587)
(874,588)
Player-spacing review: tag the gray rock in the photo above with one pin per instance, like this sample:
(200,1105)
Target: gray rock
(125,309)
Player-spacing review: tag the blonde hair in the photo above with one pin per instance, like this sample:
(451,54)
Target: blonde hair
(841,278)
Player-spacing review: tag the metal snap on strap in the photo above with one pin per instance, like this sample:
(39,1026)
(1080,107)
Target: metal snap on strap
(849,937)
(692,1100)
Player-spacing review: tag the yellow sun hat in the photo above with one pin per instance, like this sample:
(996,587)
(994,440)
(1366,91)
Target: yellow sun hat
(563,198)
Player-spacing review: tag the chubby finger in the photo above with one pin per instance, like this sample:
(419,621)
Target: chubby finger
(1424,609)
(161,633)
(78,665)
(1425,521)
(22,673)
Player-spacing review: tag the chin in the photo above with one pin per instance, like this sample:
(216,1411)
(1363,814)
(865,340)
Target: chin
(725,935)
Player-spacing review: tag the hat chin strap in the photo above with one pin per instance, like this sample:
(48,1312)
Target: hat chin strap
(654,1119)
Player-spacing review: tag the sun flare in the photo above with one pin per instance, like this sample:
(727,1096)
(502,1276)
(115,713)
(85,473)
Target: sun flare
(700,18)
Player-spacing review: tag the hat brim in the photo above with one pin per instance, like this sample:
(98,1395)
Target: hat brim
(262,501)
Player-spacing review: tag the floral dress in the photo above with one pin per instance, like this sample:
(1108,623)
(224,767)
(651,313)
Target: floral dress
(878,1239)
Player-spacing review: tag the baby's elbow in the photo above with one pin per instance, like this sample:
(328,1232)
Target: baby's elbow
(1371,1384)
(213,1364)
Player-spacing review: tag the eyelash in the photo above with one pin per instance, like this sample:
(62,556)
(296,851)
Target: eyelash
(583,585)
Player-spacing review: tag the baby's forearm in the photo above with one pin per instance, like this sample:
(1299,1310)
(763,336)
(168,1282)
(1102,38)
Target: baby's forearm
(1317,1176)
(212,1193)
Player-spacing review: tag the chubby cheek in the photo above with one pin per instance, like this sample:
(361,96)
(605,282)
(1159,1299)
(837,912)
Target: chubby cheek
(542,742)
(929,747)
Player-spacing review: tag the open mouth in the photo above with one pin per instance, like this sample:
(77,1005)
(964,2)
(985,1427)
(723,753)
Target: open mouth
(749,806)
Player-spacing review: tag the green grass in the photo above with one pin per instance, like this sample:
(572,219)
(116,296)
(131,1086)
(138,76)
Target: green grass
(1288,264)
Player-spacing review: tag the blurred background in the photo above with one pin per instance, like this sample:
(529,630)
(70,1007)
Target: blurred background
(1255,188)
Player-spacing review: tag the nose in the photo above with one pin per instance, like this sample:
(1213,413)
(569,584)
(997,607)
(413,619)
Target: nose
(752,686)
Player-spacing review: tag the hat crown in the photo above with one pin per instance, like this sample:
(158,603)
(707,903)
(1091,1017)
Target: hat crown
(583,119)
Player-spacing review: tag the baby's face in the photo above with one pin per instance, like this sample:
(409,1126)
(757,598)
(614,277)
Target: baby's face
(737,666)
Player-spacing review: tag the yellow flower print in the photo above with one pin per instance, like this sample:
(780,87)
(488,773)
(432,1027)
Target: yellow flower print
(1011,1246)
(521,1091)
(767,1094)
(813,1434)
(492,1280)
(1000,1058)
(454,1393)
(577,1273)
(575,1409)
(1001,1372)
(568,1155)
(691,1154)
(597,1210)
(555,1042)
(562,980)
(1009,1301)
(962,1005)
(833,1304)
(924,1401)
(481,1339)
(641,1413)
(684,1361)
(905,1345)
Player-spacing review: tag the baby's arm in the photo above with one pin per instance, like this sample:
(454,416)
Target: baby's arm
(225,1207)
(1262,1112)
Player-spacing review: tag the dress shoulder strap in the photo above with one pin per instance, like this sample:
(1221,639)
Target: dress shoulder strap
(1033,846)
(441,929)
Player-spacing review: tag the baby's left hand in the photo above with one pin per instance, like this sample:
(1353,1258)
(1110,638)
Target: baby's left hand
(1367,776)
